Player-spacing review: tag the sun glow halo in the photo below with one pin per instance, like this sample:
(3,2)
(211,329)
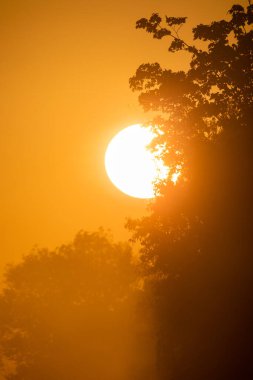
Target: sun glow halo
(130,165)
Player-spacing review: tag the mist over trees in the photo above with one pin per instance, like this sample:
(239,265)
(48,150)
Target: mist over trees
(71,314)
(181,309)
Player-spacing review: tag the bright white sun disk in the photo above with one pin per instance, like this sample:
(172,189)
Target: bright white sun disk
(131,166)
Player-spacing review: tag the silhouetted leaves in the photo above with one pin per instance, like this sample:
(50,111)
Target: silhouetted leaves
(176,45)
(153,25)
(142,23)
(196,244)
(162,33)
(250,15)
(171,21)
(155,19)
(215,32)
(150,25)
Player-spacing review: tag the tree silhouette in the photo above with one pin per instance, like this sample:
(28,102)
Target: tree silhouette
(197,240)
(70,313)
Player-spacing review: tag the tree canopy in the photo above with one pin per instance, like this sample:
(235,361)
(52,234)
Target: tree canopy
(70,313)
(197,240)
(204,116)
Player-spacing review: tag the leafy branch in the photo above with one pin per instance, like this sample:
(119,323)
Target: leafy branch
(153,26)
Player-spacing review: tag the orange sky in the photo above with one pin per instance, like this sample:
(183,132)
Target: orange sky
(64,73)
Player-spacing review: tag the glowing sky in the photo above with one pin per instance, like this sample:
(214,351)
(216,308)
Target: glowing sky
(64,73)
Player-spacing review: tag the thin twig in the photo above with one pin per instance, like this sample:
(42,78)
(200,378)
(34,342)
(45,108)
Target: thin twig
(176,37)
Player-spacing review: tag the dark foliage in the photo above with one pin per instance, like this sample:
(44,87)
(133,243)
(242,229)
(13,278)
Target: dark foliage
(197,241)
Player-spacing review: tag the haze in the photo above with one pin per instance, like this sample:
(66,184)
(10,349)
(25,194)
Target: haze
(64,77)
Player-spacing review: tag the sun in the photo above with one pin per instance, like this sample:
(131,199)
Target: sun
(131,166)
